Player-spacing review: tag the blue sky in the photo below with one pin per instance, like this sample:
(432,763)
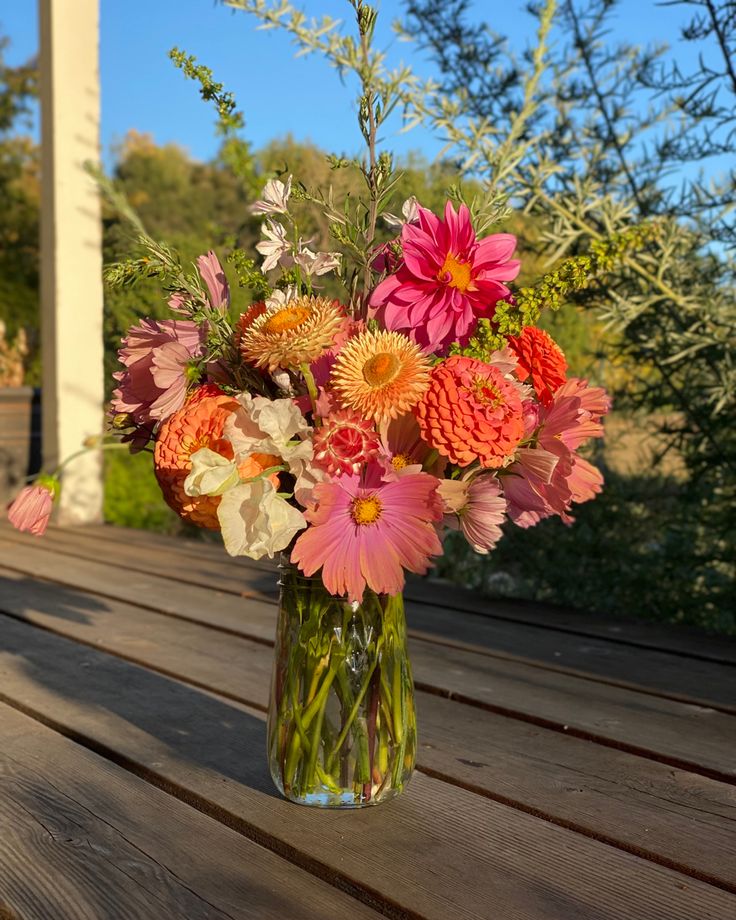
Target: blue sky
(278,93)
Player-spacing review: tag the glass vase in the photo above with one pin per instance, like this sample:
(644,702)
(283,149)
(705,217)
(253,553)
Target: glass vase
(341,719)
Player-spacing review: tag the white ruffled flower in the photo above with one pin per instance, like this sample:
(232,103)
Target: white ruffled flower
(211,474)
(255,521)
(275,198)
(276,248)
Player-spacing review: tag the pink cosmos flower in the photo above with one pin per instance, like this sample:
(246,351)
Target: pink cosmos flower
(214,277)
(477,507)
(448,279)
(157,355)
(404,451)
(344,442)
(574,415)
(366,532)
(31,509)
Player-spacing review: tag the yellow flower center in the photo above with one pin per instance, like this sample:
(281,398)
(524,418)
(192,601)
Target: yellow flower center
(455,274)
(400,461)
(366,510)
(381,369)
(286,319)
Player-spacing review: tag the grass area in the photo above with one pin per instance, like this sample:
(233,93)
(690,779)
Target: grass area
(132,495)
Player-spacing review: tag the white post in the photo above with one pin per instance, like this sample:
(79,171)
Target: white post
(71,251)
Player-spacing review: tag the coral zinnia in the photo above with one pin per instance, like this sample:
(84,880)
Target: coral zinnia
(200,423)
(380,374)
(448,279)
(540,357)
(471,411)
(292,334)
(368,531)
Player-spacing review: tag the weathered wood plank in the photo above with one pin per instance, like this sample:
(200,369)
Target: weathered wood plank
(83,839)
(663,673)
(669,815)
(625,630)
(436,852)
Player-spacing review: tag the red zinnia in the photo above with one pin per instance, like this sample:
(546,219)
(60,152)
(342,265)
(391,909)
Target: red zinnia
(541,358)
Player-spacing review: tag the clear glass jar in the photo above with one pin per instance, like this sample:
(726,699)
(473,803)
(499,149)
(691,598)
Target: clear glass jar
(341,719)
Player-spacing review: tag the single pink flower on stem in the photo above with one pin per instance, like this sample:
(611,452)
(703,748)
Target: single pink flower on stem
(214,277)
(366,532)
(448,279)
(477,507)
(156,355)
(31,509)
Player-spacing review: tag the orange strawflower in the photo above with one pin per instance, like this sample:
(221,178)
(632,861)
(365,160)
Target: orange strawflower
(541,358)
(199,423)
(287,335)
(380,374)
(470,412)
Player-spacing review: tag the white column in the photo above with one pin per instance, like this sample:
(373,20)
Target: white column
(71,251)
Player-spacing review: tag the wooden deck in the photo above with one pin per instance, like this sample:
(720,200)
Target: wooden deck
(570,767)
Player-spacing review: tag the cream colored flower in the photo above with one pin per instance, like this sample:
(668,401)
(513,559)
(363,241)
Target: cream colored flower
(275,198)
(255,521)
(317,263)
(212,474)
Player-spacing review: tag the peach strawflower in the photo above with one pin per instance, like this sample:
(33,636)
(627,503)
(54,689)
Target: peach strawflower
(287,335)
(470,412)
(540,358)
(199,423)
(380,374)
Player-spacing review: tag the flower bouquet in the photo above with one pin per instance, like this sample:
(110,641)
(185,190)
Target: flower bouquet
(359,404)
(345,438)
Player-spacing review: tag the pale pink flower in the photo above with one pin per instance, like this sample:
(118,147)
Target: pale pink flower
(275,198)
(157,355)
(31,509)
(404,451)
(317,263)
(214,277)
(477,508)
(447,280)
(366,532)
(276,249)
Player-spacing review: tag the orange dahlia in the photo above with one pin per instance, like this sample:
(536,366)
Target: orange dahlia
(541,358)
(287,335)
(471,411)
(380,374)
(199,423)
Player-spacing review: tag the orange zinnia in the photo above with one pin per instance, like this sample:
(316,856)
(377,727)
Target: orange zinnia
(199,423)
(541,358)
(471,412)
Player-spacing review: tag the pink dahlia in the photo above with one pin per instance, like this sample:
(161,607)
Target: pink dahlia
(31,509)
(157,355)
(344,442)
(477,507)
(366,532)
(447,280)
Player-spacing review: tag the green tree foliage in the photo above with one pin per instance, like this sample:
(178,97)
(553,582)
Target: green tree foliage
(19,207)
(613,134)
